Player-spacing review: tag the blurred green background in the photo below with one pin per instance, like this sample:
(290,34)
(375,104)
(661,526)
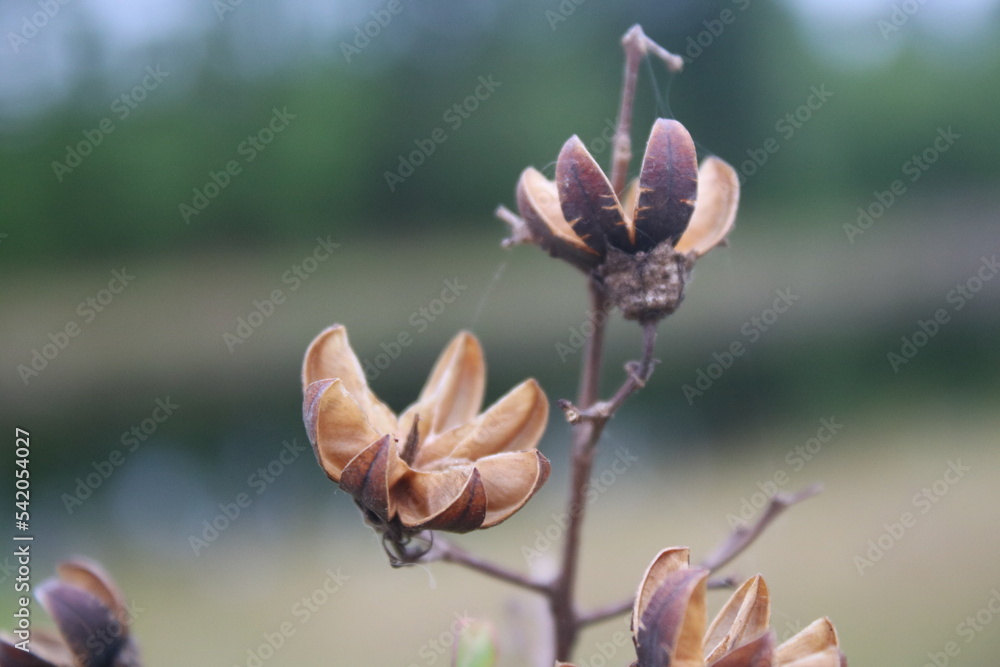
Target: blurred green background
(115,117)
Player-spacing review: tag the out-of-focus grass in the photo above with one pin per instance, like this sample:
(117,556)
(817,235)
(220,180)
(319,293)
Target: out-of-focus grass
(824,358)
(213,609)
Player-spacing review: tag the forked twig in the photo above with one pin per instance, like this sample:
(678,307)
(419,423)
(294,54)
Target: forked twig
(638,375)
(736,543)
(448,552)
(741,538)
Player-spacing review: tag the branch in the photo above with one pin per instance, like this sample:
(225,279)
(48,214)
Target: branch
(638,375)
(744,536)
(606,612)
(447,552)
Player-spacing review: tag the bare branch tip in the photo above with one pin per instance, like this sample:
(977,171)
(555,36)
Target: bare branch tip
(789,499)
(573,413)
(636,41)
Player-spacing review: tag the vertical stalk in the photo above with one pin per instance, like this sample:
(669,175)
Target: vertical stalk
(636,45)
(587,432)
(585,435)
(589,415)
(621,154)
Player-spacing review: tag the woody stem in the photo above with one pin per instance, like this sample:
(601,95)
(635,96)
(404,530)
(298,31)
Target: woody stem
(586,433)
(448,552)
(585,436)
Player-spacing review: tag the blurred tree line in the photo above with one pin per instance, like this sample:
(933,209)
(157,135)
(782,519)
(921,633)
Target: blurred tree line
(359,107)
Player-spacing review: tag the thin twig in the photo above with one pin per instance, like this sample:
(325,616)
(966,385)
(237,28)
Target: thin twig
(729,581)
(638,375)
(637,45)
(743,537)
(519,232)
(445,551)
(606,612)
(637,378)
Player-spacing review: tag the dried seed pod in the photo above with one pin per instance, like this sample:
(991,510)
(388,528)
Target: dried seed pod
(93,621)
(440,465)
(644,244)
(668,624)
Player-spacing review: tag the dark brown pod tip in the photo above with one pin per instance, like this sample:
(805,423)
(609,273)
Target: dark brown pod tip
(89,628)
(366,477)
(11,656)
(589,204)
(466,513)
(668,186)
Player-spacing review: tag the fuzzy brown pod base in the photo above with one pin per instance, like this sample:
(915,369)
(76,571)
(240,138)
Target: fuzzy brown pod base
(646,286)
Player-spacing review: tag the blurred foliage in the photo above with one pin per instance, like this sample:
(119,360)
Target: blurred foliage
(475,646)
(353,120)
